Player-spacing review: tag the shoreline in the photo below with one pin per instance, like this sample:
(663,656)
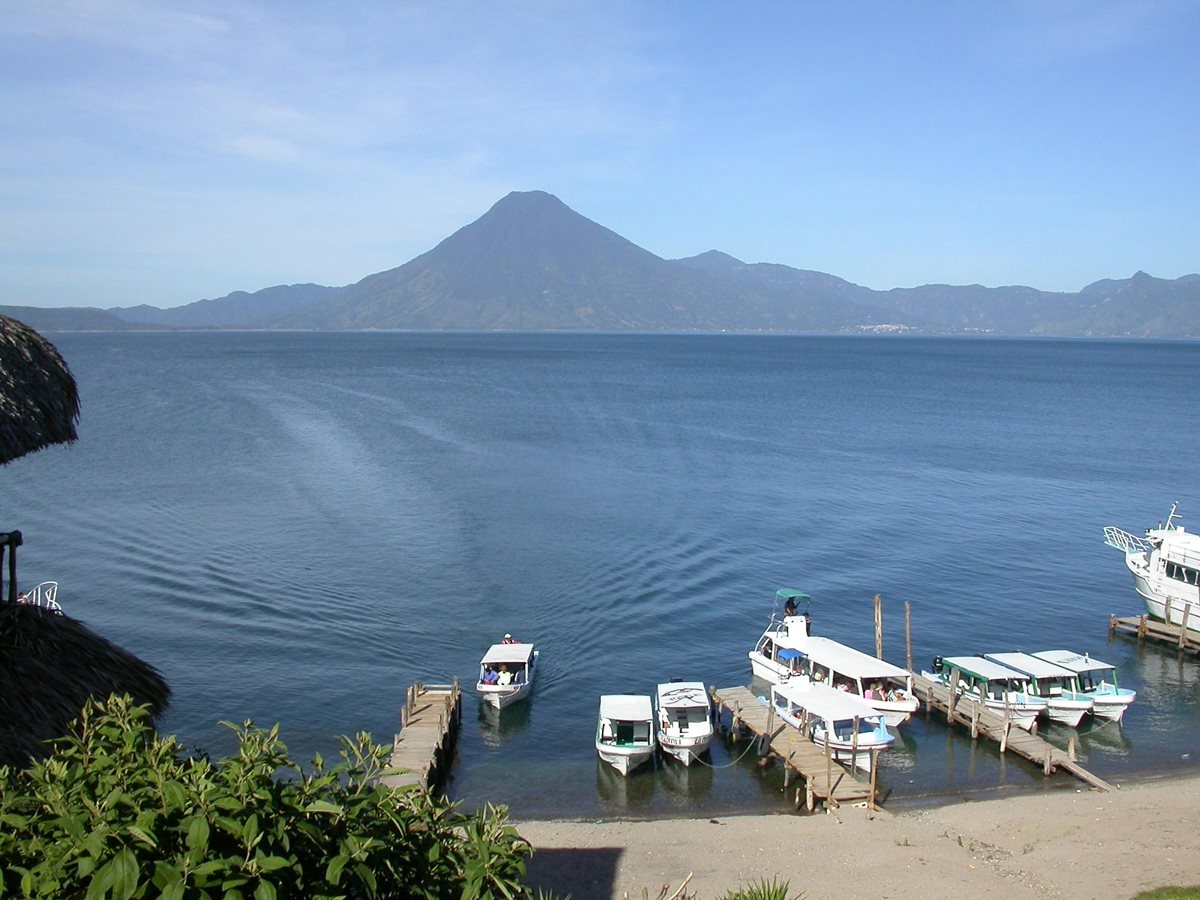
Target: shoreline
(1069,842)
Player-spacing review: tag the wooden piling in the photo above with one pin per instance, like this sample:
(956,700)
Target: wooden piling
(908,634)
(879,626)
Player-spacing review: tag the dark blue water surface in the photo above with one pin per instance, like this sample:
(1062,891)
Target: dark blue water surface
(294,527)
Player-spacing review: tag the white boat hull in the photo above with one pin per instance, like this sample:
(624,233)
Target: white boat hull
(624,760)
(1022,714)
(686,750)
(1112,703)
(846,755)
(500,696)
(1068,712)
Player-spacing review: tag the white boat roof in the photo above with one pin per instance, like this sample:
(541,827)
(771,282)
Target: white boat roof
(1076,662)
(515,654)
(1033,666)
(826,702)
(626,707)
(848,661)
(682,694)
(984,668)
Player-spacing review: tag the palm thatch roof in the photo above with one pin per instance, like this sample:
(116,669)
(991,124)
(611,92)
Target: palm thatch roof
(50,665)
(39,401)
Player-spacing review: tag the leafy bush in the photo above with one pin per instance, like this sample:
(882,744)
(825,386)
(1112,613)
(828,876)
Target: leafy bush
(119,812)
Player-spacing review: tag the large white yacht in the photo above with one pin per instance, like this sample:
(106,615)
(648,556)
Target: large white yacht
(1166,568)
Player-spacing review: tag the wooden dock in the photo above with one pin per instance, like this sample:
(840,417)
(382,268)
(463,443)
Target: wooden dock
(825,781)
(1145,628)
(429,726)
(984,722)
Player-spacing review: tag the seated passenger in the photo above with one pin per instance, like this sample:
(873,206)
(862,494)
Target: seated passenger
(490,676)
(505,676)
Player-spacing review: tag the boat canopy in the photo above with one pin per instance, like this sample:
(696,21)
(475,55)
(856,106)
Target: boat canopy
(786,594)
(789,653)
(625,707)
(682,695)
(825,702)
(848,661)
(510,654)
(983,668)
(1076,662)
(1032,666)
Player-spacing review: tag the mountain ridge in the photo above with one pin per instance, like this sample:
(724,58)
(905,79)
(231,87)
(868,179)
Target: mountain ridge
(531,263)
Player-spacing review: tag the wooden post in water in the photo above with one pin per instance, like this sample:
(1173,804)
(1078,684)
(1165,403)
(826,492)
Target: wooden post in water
(871,805)
(879,626)
(1071,748)
(1004,736)
(953,696)
(908,634)
(974,721)
(828,772)
(854,746)
(810,799)
(1187,611)
(764,745)
(1142,627)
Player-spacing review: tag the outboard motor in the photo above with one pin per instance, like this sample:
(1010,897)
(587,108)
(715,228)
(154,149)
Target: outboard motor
(937,665)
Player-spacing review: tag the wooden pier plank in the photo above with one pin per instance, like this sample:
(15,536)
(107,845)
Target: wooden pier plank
(1143,627)
(429,727)
(825,782)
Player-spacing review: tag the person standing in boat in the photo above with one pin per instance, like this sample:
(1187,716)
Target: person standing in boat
(789,606)
(509,639)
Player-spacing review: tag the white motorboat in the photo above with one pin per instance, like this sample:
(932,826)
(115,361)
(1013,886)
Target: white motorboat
(506,673)
(1109,699)
(1003,690)
(685,720)
(787,649)
(1065,702)
(845,723)
(1166,569)
(625,731)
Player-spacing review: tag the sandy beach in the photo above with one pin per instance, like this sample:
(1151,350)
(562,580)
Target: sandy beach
(1068,843)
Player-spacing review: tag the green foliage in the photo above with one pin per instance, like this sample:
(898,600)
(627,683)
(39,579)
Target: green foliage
(1170,893)
(763,890)
(120,812)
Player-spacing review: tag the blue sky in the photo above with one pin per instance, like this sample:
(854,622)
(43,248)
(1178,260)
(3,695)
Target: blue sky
(160,152)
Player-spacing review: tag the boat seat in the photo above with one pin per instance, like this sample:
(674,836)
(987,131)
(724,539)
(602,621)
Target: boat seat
(606,732)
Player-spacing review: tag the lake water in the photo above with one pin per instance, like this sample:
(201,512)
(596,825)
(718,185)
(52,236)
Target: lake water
(295,527)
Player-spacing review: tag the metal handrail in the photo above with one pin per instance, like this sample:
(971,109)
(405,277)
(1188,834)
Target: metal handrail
(1124,541)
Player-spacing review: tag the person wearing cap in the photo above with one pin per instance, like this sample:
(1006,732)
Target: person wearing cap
(509,639)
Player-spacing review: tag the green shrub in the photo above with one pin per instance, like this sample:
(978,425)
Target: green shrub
(120,812)
(763,890)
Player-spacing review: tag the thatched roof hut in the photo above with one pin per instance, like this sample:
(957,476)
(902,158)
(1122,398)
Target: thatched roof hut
(50,664)
(39,402)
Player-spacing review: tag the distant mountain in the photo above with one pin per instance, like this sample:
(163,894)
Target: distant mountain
(236,310)
(531,263)
(67,318)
